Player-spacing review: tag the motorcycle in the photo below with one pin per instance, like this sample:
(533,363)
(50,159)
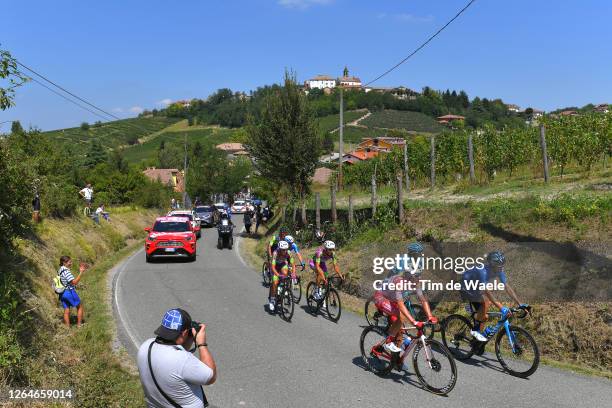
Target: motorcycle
(225,231)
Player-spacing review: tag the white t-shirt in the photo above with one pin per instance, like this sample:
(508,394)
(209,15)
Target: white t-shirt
(87,193)
(178,372)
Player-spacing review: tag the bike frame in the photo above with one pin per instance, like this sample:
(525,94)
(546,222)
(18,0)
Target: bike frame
(501,323)
(420,337)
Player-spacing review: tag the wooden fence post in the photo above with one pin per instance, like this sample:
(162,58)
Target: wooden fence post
(304,220)
(407,175)
(471,158)
(318,210)
(400,199)
(333,203)
(373,195)
(544,154)
(350,209)
(433,161)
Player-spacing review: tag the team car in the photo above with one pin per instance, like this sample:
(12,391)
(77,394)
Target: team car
(192,218)
(239,207)
(207,214)
(171,237)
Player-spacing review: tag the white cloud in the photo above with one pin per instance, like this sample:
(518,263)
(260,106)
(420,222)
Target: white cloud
(136,109)
(117,110)
(302,4)
(411,18)
(165,102)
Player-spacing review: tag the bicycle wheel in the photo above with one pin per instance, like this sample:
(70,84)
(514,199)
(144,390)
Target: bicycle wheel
(434,366)
(296,289)
(265,273)
(372,315)
(375,357)
(87,211)
(333,305)
(456,336)
(523,359)
(313,305)
(286,304)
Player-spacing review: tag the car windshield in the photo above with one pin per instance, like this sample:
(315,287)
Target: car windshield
(205,209)
(220,206)
(190,216)
(238,202)
(171,226)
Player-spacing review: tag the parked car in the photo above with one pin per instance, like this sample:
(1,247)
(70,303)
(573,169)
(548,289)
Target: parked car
(239,207)
(207,215)
(192,218)
(171,237)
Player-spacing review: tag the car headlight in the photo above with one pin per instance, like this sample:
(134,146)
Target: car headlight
(150,238)
(188,238)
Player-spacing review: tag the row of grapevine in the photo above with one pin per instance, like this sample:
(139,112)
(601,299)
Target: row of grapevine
(581,139)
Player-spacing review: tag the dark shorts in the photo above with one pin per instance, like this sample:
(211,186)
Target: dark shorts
(70,298)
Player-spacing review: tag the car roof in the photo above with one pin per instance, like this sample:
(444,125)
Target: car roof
(180,212)
(239,201)
(172,219)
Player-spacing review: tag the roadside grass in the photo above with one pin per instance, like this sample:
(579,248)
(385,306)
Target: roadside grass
(81,359)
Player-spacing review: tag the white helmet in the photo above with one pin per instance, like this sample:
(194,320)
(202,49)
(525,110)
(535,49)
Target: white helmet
(283,245)
(329,245)
(289,239)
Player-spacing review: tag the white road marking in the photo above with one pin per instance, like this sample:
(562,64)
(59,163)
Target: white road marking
(124,320)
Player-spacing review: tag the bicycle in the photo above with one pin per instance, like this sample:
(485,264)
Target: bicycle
(266,272)
(438,360)
(330,299)
(296,289)
(512,345)
(376,318)
(284,298)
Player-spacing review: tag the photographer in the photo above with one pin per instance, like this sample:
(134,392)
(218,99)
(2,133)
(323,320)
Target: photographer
(170,374)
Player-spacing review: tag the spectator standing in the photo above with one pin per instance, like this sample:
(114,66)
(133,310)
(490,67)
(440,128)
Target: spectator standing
(69,297)
(258,218)
(36,208)
(248,219)
(170,374)
(87,194)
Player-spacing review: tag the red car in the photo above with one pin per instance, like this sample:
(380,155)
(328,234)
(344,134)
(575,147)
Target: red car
(171,237)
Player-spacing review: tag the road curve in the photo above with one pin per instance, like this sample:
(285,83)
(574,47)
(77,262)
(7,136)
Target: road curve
(265,362)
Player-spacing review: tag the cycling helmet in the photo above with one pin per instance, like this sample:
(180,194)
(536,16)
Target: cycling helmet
(415,248)
(283,230)
(224,215)
(289,239)
(283,245)
(496,258)
(329,245)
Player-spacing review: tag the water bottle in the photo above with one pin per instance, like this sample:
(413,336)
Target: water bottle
(406,343)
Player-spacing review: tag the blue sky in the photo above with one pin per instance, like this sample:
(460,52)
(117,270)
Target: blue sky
(128,55)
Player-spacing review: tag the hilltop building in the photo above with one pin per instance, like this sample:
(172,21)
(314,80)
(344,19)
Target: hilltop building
(320,82)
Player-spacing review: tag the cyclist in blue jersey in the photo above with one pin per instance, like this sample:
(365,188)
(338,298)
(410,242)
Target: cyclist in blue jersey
(293,247)
(481,299)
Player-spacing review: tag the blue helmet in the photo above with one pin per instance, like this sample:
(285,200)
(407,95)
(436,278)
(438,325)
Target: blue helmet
(415,248)
(496,258)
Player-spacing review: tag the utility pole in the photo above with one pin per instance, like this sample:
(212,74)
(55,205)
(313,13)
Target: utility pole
(185,175)
(341,142)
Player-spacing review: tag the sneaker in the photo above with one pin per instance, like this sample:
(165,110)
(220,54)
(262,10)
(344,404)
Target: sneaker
(316,295)
(478,335)
(392,347)
(271,306)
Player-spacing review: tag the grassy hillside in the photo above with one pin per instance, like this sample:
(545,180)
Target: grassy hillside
(112,134)
(49,355)
(411,121)
(331,122)
(148,149)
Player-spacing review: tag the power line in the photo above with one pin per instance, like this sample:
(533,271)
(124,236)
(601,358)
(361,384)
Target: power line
(68,99)
(67,91)
(422,45)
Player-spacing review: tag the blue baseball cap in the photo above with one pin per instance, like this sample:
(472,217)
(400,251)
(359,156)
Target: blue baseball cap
(173,323)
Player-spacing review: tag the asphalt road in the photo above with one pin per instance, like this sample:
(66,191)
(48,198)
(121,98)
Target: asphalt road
(264,361)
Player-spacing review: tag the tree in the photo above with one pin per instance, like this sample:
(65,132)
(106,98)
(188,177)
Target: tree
(85,126)
(328,142)
(16,128)
(13,77)
(285,143)
(95,155)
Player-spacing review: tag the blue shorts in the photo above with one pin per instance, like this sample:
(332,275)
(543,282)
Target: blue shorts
(70,298)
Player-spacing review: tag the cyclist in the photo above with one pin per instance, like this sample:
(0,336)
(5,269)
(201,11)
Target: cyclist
(293,247)
(282,233)
(391,302)
(87,194)
(318,264)
(281,261)
(482,300)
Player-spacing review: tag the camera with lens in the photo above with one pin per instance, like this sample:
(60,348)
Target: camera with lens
(195,325)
